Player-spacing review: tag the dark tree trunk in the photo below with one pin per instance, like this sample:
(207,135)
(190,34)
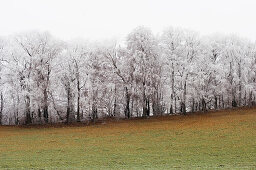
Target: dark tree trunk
(2,107)
(253,101)
(173,95)
(132,107)
(27,111)
(183,108)
(127,107)
(78,119)
(78,99)
(94,112)
(216,103)
(171,110)
(70,106)
(157,107)
(228,102)
(69,103)
(175,104)
(183,104)
(78,106)
(45,109)
(144,103)
(222,100)
(234,103)
(245,98)
(114,110)
(193,105)
(39,114)
(219,102)
(250,98)
(240,84)
(203,105)
(17,111)
(68,113)
(148,108)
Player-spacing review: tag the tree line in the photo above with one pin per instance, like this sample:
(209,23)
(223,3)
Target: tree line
(47,80)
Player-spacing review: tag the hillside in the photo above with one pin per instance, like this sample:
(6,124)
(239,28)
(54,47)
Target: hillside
(223,139)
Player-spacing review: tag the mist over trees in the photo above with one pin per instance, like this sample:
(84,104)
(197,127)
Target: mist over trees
(46,80)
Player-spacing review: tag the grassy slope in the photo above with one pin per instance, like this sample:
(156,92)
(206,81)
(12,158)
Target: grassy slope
(225,139)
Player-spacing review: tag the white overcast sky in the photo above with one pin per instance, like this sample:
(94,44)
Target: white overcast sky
(101,19)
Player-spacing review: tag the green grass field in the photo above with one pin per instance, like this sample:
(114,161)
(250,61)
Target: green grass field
(224,139)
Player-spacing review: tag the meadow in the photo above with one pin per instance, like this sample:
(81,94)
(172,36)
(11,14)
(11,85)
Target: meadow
(222,139)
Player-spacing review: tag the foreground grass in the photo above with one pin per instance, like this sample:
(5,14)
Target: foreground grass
(225,139)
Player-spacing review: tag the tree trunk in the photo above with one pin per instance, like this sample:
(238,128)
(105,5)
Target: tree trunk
(171,110)
(203,105)
(245,98)
(2,107)
(114,110)
(215,103)
(148,107)
(69,103)
(144,102)
(127,107)
(184,98)
(17,110)
(175,104)
(228,102)
(39,114)
(240,84)
(68,113)
(222,100)
(27,111)
(173,93)
(94,112)
(132,105)
(45,109)
(183,108)
(78,103)
(193,105)
(78,119)
(219,102)
(234,103)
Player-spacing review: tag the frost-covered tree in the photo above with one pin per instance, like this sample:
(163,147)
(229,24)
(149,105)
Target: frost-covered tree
(143,48)
(181,50)
(47,80)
